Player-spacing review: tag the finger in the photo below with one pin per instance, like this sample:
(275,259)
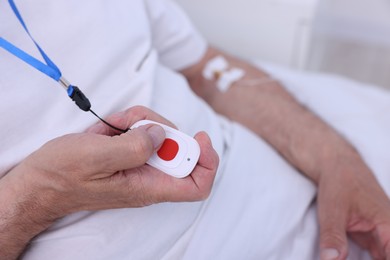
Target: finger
(332,219)
(196,186)
(128,150)
(209,162)
(333,241)
(367,241)
(382,234)
(386,243)
(126,119)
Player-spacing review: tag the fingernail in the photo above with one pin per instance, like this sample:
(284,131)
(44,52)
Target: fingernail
(157,134)
(329,254)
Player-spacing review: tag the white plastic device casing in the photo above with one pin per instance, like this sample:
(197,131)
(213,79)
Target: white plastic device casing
(186,158)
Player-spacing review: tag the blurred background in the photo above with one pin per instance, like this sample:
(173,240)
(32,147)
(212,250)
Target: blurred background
(345,37)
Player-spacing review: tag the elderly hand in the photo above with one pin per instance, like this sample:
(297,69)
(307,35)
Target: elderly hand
(100,170)
(92,171)
(350,201)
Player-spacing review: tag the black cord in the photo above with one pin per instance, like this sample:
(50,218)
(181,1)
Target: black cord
(104,121)
(83,103)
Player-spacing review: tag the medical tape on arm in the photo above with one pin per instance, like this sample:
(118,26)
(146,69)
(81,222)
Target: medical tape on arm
(217,69)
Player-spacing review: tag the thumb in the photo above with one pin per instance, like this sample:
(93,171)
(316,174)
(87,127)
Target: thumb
(133,148)
(333,237)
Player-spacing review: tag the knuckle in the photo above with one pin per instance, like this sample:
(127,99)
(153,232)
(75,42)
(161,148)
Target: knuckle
(71,147)
(202,193)
(332,238)
(139,111)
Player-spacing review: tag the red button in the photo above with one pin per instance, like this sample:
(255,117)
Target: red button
(168,150)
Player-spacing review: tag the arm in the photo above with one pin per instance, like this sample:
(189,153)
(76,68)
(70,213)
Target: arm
(272,113)
(310,145)
(93,171)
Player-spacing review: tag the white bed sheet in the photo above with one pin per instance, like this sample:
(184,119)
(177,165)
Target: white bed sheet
(261,208)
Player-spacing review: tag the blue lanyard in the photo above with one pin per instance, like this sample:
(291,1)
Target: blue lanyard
(50,69)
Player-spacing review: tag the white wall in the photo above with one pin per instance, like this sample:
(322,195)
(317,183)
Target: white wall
(347,37)
(272,30)
(352,38)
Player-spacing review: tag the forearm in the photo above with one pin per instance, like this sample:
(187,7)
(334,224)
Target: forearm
(300,136)
(22,215)
(270,111)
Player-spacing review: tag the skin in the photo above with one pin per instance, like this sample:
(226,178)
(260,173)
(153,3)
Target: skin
(93,171)
(350,200)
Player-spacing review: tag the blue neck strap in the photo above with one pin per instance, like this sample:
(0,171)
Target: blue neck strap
(50,69)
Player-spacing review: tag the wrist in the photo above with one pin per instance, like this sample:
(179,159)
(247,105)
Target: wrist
(23,213)
(42,190)
(343,163)
(319,151)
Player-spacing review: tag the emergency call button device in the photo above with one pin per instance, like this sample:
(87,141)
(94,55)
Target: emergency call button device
(178,154)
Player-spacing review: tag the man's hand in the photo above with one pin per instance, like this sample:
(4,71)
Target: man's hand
(92,171)
(350,201)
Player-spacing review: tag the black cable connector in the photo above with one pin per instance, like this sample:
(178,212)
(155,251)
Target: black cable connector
(83,103)
(79,98)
